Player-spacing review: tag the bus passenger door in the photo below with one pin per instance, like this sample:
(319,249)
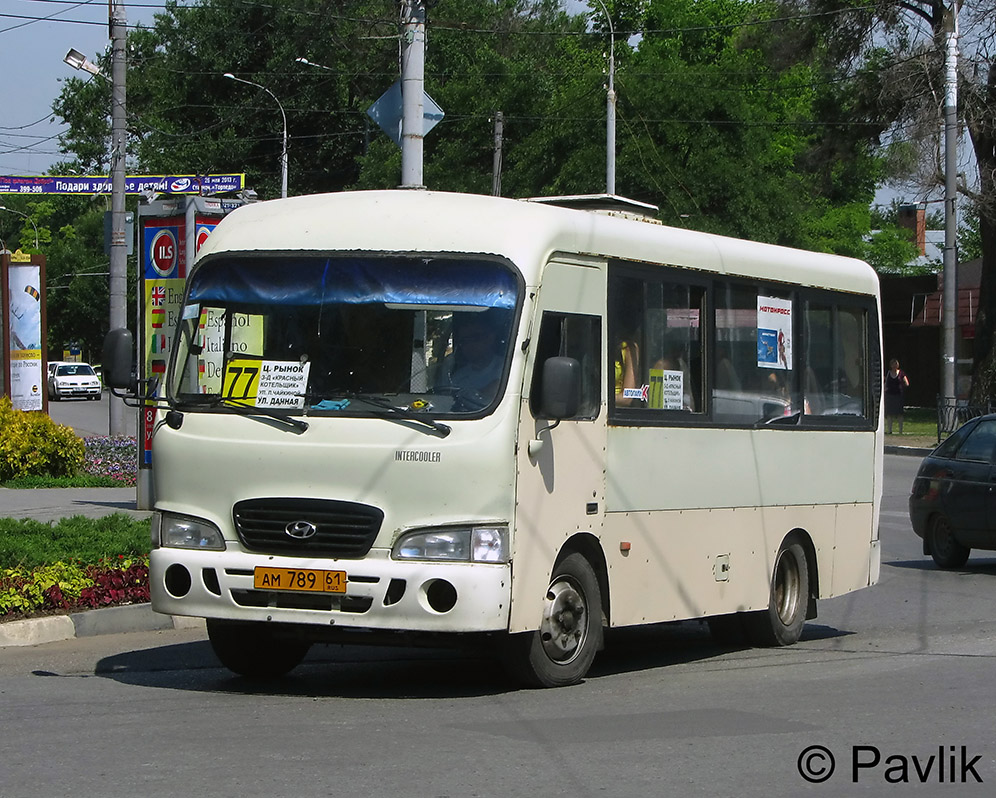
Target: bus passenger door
(560,486)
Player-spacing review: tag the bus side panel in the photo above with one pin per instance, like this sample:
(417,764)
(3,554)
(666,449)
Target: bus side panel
(703,512)
(693,563)
(853,560)
(663,566)
(663,468)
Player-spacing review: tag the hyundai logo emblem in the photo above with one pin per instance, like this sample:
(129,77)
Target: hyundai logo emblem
(301,530)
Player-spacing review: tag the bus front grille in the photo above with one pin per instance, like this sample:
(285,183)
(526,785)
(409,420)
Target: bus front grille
(307,527)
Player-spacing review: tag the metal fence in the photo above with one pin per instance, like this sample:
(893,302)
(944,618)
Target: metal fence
(953,412)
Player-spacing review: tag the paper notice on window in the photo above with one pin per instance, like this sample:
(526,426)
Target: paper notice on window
(282,384)
(667,389)
(774,333)
(266,383)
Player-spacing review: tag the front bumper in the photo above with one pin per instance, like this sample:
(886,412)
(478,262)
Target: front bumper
(69,391)
(382,594)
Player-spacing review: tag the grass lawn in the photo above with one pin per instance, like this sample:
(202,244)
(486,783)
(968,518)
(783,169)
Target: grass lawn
(918,422)
(29,544)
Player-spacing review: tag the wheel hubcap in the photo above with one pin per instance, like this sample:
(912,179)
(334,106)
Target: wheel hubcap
(787,587)
(942,538)
(565,621)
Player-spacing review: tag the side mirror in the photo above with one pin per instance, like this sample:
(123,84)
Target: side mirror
(561,387)
(116,359)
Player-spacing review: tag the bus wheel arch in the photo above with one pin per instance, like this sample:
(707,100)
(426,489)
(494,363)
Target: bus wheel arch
(561,651)
(791,597)
(809,549)
(590,548)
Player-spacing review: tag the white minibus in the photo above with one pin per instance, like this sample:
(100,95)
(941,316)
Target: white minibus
(397,416)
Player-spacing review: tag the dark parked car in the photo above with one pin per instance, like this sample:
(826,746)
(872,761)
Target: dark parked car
(953,500)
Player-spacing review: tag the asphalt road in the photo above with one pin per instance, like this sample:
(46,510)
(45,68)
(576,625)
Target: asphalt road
(88,417)
(893,682)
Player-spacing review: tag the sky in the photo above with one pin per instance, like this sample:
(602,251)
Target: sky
(35,36)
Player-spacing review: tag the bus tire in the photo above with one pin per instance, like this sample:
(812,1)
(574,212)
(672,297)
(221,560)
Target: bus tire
(781,624)
(946,551)
(562,650)
(254,650)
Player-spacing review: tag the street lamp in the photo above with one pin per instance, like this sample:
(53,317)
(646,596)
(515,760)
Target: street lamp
(21,213)
(306,62)
(283,154)
(77,60)
(610,110)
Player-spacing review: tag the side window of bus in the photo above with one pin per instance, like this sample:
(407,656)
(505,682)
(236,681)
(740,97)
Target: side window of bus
(655,347)
(835,381)
(756,375)
(576,336)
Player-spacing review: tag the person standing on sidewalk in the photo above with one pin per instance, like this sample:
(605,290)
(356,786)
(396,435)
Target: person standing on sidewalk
(896,383)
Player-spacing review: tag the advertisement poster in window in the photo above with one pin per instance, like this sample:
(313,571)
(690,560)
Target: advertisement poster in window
(774,333)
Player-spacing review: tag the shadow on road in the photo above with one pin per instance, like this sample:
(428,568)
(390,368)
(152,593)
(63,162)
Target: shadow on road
(341,671)
(979,566)
(353,671)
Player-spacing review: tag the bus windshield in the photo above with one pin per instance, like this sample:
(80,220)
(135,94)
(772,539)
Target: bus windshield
(348,335)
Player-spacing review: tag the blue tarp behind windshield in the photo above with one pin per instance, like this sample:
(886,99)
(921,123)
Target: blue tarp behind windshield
(312,281)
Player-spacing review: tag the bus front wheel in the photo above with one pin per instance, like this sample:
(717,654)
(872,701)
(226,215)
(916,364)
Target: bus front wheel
(781,624)
(562,650)
(253,649)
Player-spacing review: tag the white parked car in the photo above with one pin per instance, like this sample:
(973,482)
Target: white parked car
(72,379)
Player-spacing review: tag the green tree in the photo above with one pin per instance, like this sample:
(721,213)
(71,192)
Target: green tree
(904,41)
(23,222)
(732,117)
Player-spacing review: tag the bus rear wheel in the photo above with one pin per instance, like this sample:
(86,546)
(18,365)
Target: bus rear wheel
(570,634)
(254,650)
(781,624)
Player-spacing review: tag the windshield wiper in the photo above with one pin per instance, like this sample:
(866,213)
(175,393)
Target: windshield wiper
(246,409)
(393,410)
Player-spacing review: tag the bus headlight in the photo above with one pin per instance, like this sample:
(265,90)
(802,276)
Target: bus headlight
(455,544)
(179,532)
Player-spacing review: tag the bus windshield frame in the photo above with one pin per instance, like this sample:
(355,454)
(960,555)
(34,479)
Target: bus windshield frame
(347,335)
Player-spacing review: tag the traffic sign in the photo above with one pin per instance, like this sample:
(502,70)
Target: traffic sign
(387,112)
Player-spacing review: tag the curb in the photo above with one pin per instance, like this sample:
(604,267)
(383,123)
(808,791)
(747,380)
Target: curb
(908,450)
(107,620)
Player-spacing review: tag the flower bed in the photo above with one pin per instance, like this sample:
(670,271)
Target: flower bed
(112,457)
(72,586)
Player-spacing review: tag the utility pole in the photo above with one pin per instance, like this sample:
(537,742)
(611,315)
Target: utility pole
(610,109)
(119,243)
(412,91)
(949,319)
(496,168)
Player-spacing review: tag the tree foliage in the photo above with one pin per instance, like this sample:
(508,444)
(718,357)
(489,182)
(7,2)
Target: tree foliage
(905,42)
(720,124)
(741,117)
